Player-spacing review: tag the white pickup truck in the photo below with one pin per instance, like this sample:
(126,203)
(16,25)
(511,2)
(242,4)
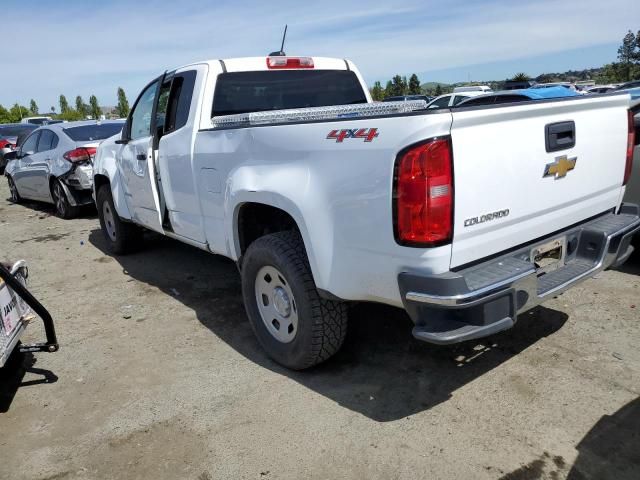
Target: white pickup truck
(464,217)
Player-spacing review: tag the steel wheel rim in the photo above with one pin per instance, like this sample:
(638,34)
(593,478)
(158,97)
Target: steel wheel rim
(59,199)
(109,221)
(276,304)
(14,190)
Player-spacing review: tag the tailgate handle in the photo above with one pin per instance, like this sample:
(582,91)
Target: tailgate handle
(560,136)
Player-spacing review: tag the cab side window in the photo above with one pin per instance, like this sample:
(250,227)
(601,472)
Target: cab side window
(29,145)
(179,102)
(48,141)
(140,126)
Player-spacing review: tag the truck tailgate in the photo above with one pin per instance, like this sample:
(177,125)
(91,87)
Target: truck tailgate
(501,155)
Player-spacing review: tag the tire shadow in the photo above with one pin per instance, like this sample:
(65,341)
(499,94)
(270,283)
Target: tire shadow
(611,449)
(381,372)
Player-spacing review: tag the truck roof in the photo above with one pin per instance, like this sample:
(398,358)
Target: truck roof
(244,64)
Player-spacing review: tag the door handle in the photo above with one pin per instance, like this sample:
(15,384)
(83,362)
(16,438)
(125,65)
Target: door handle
(141,156)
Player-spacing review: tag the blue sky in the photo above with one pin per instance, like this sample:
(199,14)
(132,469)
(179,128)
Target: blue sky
(82,48)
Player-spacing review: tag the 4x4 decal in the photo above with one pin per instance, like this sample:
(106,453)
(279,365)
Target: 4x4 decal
(368,134)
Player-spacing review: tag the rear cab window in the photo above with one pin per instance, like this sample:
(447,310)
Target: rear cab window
(88,133)
(258,91)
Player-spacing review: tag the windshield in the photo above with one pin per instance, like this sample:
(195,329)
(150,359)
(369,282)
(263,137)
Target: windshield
(242,92)
(99,131)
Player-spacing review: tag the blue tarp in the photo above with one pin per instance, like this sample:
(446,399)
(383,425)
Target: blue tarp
(550,92)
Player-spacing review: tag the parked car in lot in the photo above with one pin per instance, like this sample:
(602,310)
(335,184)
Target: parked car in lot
(517,84)
(463,217)
(599,89)
(512,96)
(54,164)
(36,120)
(404,98)
(628,85)
(449,100)
(9,135)
(473,88)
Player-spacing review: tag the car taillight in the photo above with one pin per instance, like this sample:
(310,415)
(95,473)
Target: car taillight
(631,140)
(424,194)
(80,154)
(4,143)
(289,62)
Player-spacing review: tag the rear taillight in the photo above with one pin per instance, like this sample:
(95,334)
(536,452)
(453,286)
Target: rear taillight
(80,154)
(275,63)
(4,143)
(424,194)
(631,140)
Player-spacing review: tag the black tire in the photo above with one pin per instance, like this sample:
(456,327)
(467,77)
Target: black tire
(63,207)
(121,237)
(321,323)
(15,196)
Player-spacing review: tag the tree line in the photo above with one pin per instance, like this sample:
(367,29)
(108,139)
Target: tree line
(397,86)
(79,111)
(625,69)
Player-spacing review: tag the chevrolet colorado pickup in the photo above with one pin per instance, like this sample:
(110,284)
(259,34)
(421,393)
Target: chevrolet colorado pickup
(464,217)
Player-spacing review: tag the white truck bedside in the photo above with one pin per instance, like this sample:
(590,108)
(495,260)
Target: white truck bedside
(465,217)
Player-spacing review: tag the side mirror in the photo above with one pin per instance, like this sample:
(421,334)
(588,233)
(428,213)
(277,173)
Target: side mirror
(123,137)
(12,155)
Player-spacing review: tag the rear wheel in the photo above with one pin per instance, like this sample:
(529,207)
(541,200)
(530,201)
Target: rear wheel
(15,196)
(294,324)
(64,209)
(122,237)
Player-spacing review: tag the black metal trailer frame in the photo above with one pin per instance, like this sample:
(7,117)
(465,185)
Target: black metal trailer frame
(51,344)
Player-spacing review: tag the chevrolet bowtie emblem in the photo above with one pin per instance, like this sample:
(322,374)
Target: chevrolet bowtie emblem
(560,167)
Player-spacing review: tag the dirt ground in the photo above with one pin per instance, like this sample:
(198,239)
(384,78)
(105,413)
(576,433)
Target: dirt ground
(160,376)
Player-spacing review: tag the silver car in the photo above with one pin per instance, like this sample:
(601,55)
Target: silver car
(54,164)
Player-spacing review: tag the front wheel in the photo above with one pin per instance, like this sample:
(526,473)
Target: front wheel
(64,209)
(122,237)
(294,324)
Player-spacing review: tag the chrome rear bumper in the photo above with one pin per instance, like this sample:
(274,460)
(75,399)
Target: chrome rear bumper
(486,298)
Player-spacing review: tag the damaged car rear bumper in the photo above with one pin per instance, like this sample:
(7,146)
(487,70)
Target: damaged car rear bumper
(486,298)
(78,185)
